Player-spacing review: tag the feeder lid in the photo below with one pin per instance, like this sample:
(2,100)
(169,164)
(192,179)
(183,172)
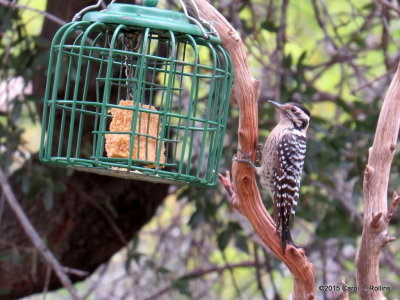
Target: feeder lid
(146,16)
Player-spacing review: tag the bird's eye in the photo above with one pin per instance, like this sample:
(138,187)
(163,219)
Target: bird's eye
(293,109)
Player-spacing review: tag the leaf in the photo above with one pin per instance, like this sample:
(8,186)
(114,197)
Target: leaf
(359,41)
(26,183)
(269,26)
(132,255)
(16,111)
(335,224)
(223,239)
(16,257)
(151,264)
(4,291)
(182,286)
(241,244)
(300,63)
(369,6)
(48,198)
(196,218)
(287,61)
(163,270)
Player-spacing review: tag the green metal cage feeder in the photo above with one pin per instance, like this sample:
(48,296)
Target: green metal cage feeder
(137,92)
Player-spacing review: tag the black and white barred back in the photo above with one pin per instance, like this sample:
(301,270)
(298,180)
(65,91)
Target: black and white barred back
(291,153)
(282,164)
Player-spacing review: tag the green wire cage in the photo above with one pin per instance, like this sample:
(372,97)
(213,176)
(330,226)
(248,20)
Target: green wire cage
(137,92)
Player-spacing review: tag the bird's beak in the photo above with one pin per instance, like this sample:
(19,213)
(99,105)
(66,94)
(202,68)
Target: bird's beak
(276,104)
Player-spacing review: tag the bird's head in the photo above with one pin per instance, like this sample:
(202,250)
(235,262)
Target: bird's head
(293,112)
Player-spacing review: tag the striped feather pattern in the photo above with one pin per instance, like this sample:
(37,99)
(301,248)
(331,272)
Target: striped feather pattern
(287,172)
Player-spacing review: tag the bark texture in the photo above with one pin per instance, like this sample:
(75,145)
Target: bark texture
(247,199)
(376,179)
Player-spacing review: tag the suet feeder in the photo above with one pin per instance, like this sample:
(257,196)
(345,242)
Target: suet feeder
(137,92)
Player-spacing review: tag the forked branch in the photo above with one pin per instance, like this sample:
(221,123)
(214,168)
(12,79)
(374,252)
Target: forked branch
(376,179)
(247,197)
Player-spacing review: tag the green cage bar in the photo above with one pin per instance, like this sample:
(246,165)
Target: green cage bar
(137,92)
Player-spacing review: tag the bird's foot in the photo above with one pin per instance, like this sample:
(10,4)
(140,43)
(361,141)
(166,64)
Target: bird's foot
(244,158)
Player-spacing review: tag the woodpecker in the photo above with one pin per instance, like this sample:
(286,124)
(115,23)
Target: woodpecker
(282,161)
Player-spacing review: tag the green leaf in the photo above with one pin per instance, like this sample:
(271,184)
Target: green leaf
(16,111)
(300,63)
(16,257)
(163,270)
(151,264)
(369,6)
(48,198)
(241,244)
(26,183)
(4,291)
(269,26)
(182,286)
(136,256)
(287,61)
(335,224)
(196,218)
(223,239)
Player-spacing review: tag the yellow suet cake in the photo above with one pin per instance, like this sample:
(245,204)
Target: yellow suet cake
(144,147)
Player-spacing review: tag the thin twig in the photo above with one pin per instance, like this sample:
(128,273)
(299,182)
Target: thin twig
(46,282)
(200,273)
(76,272)
(346,295)
(44,13)
(389,5)
(114,226)
(369,83)
(258,272)
(34,236)
(101,271)
(392,208)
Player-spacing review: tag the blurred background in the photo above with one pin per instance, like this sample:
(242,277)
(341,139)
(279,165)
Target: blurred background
(141,240)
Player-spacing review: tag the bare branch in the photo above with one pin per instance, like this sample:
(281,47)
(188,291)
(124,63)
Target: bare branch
(376,179)
(202,272)
(226,181)
(49,16)
(388,5)
(34,236)
(392,208)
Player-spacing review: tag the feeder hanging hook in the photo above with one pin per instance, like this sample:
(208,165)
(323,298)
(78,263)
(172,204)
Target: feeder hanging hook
(87,8)
(199,21)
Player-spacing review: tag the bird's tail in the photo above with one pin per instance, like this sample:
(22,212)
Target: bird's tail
(285,237)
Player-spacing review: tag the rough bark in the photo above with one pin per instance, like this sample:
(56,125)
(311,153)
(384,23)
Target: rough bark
(376,179)
(248,200)
(91,220)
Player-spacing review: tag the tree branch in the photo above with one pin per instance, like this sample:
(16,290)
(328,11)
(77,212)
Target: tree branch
(202,272)
(44,13)
(376,179)
(34,236)
(248,201)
